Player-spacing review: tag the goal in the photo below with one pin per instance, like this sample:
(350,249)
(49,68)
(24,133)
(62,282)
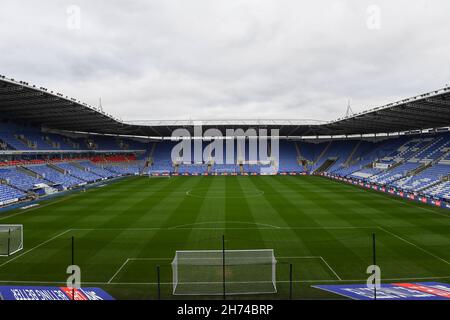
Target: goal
(11,239)
(218,272)
(163,175)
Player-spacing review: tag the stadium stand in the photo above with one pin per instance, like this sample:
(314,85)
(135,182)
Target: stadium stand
(441,190)
(127,168)
(226,168)
(20,180)
(425,179)
(413,160)
(161,159)
(413,163)
(289,158)
(78,173)
(57,178)
(97,169)
(59,142)
(9,195)
(192,168)
(395,173)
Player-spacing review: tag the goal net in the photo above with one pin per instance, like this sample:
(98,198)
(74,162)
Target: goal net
(165,175)
(11,239)
(211,272)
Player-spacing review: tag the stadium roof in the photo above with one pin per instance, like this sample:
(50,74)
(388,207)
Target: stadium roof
(20,101)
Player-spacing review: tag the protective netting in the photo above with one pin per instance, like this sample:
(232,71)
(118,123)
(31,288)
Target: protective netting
(204,272)
(11,239)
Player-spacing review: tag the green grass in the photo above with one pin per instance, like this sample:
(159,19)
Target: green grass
(322,227)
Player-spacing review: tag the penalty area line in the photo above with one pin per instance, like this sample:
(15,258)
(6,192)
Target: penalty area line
(118,270)
(314,257)
(35,247)
(414,245)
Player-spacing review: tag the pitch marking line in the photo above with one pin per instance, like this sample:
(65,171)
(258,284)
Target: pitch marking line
(39,245)
(149,229)
(406,202)
(222,195)
(279,281)
(315,257)
(224,222)
(332,270)
(217,228)
(164,228)
(411,204)
(117,272)
(414,245)
(132,259)
(289,257)
(40,206)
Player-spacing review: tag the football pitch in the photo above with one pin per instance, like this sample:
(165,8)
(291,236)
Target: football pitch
(124,230)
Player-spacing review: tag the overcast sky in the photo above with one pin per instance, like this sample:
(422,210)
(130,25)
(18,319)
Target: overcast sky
(228,59)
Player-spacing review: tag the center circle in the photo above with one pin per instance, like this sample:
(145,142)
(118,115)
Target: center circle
(223,194)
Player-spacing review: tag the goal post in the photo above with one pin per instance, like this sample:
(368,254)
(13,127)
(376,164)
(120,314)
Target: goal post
(11,239)
(168,176)
(207,272)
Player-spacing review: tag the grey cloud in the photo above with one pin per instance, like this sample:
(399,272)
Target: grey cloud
(202,59)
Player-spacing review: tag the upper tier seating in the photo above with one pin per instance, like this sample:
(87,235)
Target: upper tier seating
(23,137)
(59,141)
(162,160)
(406,150)
(365,154)
(13,142)
(106,143)
(339,150)
(430,151)
(288,158)
(310,151)
(20,137)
